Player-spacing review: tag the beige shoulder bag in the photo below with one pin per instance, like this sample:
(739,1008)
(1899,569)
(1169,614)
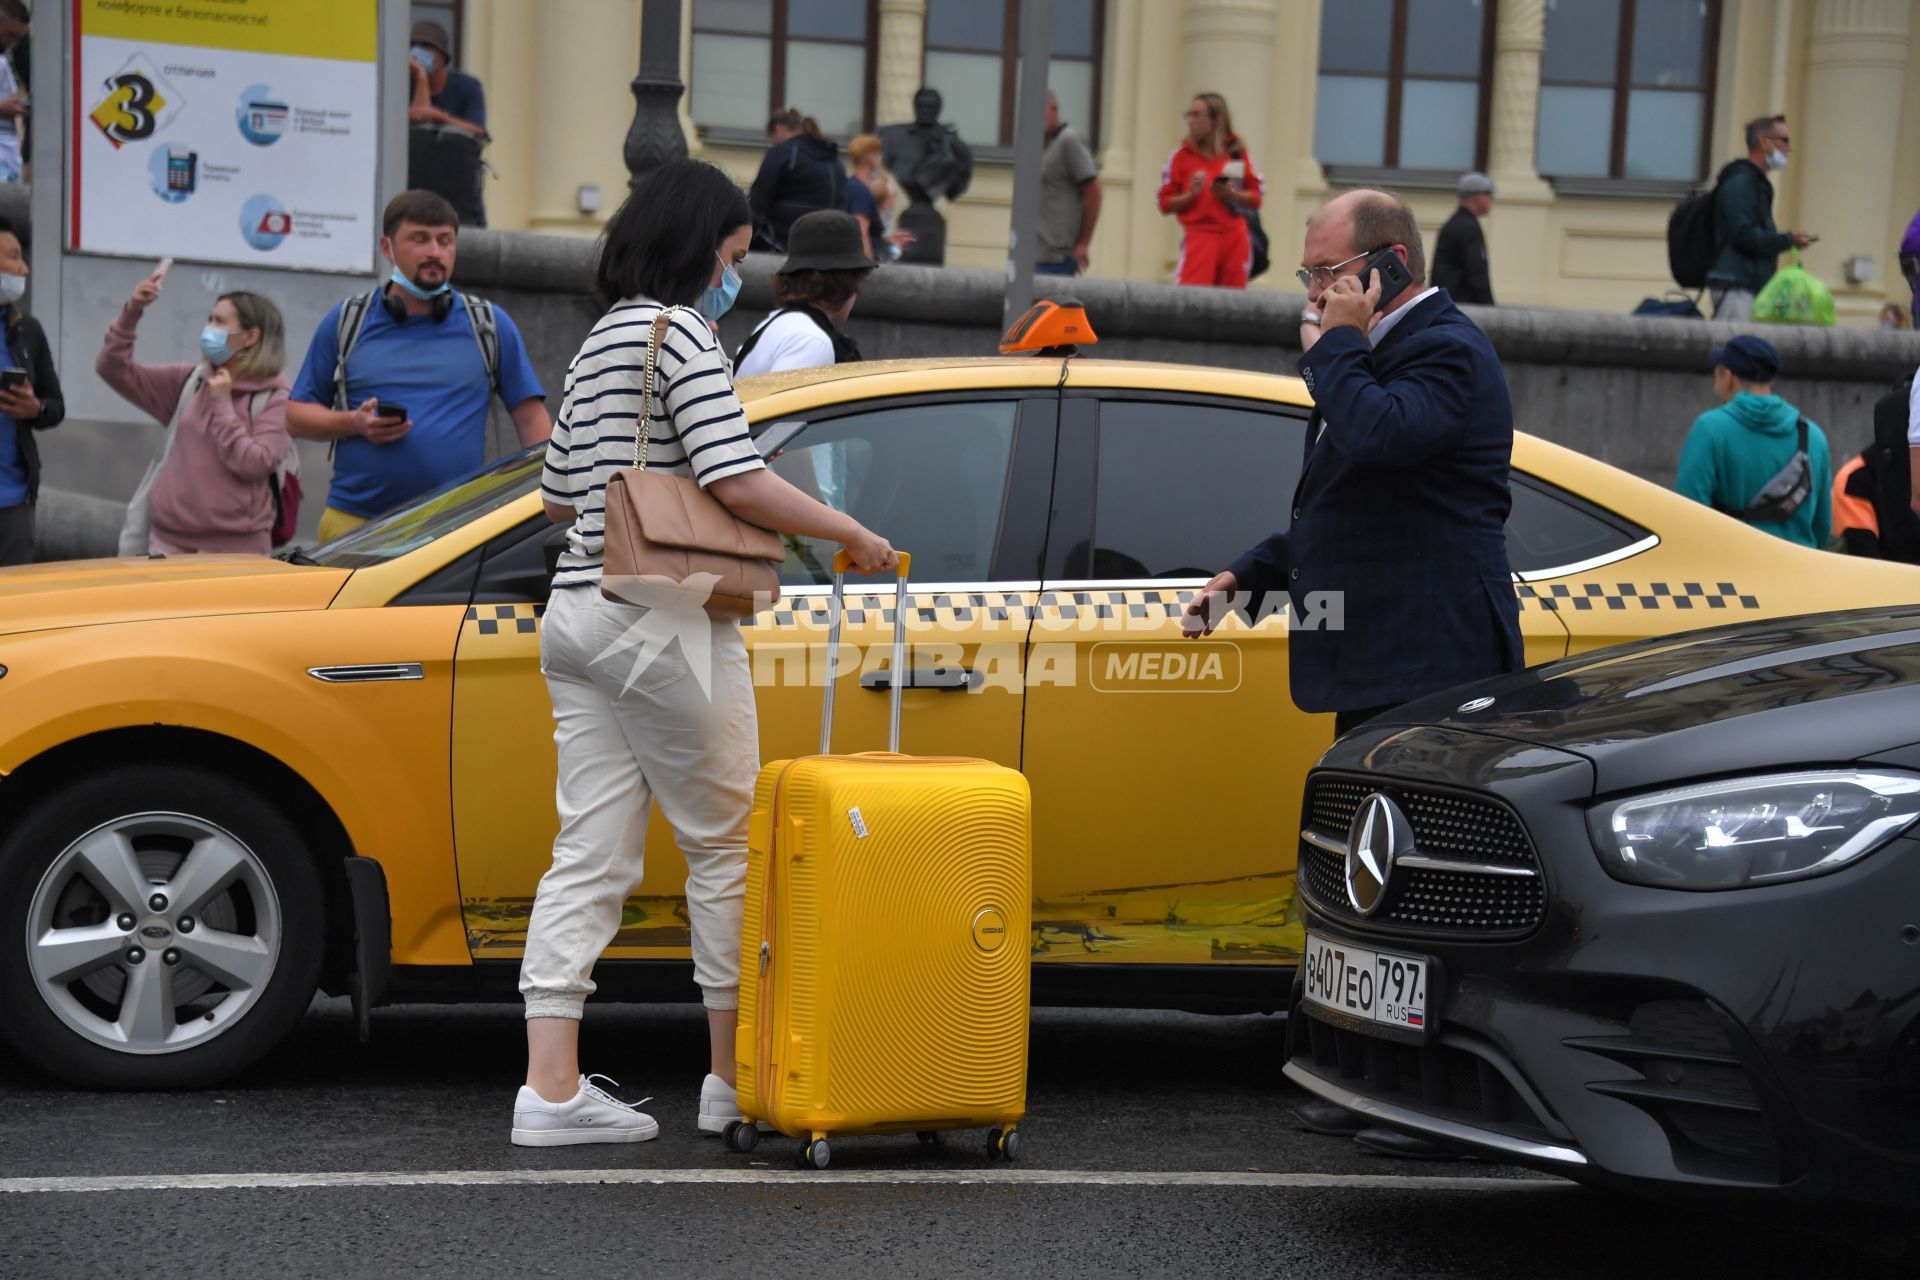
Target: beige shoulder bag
(664,532)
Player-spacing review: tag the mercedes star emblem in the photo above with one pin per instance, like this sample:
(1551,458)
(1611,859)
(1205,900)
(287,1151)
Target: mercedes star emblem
(1380,833)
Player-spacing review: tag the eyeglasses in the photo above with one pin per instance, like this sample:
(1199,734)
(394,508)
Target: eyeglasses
(1325,276)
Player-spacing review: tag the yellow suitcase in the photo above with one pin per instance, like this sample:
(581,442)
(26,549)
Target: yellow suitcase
(884,982)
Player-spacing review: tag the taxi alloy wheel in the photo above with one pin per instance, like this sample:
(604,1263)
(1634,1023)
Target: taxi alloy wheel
(172,926)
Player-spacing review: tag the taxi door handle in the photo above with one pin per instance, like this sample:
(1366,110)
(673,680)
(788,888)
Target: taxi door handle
(960,678)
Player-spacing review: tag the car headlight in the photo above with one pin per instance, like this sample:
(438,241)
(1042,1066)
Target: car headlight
(1754,831)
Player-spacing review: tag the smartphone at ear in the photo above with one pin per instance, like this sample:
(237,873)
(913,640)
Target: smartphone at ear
(1394,277)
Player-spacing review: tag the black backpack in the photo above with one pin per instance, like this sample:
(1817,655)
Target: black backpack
(1690,248)
(1888,460)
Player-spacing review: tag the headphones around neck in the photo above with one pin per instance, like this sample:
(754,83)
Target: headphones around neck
(442,306)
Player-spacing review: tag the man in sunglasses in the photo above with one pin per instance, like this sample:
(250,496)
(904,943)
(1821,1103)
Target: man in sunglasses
(1395,562)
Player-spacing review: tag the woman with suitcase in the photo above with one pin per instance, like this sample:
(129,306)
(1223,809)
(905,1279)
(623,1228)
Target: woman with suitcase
(629,733)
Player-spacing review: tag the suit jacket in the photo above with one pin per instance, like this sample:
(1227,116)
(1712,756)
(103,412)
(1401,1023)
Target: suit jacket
(1396,559)
(1460,260)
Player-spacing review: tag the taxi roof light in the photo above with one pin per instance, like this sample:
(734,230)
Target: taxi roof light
(1050,327)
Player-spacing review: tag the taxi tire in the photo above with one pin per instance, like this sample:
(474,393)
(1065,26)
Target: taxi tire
(51,823)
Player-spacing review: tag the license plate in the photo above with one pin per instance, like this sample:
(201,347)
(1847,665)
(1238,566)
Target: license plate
(1376,985)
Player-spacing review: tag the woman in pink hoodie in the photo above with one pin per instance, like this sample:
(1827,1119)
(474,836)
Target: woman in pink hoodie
(214,492)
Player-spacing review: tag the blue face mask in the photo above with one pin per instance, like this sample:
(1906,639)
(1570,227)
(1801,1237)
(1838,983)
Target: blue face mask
(213,345)
(425,295)
(719,298)
(426,57)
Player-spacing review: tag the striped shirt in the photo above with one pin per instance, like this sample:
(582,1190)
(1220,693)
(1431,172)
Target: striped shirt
(697,428)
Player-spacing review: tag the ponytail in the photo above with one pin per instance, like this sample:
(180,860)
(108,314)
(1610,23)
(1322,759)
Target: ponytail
(790,119)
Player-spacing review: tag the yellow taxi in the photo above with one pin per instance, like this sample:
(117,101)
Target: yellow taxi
(225,781)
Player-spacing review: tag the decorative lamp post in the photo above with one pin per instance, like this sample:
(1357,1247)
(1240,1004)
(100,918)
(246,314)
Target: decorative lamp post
(654,137)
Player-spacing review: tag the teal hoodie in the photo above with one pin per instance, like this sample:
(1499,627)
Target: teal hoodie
(1732,452)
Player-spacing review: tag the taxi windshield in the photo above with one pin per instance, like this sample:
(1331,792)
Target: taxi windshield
(433,515)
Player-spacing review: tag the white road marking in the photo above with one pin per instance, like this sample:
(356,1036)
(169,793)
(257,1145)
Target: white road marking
(769,1176)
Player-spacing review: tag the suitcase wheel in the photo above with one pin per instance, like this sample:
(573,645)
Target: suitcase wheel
(816,1154)
(1004,1143)
(740,1136)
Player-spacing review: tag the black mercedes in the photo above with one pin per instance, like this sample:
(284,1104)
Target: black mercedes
(1648,917)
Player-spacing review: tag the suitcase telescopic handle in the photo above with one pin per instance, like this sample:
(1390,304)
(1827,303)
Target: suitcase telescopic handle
(836,605)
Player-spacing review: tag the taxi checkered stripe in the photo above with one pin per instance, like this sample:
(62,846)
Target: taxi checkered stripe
(1555,597)
(973,606)
(492,619)
(958,607)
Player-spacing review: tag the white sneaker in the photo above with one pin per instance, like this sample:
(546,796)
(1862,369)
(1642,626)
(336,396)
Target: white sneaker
(719,1105)
(591,1115)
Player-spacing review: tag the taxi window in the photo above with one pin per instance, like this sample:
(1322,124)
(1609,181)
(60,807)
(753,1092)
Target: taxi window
(1549,528)
(434,515)
(927,477)
(1183,489)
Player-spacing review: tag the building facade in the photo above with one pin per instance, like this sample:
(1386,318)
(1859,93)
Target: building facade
(1593,117)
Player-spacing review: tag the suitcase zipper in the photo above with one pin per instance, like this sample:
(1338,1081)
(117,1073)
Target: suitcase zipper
(763,1013)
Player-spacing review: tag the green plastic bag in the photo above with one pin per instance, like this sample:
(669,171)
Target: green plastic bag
(1794,296)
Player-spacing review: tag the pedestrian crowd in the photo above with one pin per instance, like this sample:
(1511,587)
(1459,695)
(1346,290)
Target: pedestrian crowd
(398,382)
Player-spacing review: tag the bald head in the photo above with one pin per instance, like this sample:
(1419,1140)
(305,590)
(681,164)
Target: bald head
(1365,221)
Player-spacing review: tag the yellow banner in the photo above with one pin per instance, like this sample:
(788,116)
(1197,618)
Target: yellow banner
(342,30)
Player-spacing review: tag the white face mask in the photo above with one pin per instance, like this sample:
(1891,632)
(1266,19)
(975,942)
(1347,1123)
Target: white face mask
(12,289)
(1776,160)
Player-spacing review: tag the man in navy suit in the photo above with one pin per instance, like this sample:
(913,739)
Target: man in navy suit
(1395,562)
(1396,558)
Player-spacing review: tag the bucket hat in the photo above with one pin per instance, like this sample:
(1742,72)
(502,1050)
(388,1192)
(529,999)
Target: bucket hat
(825,240)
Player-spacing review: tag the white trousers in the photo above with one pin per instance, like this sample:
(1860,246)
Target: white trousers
(634,725)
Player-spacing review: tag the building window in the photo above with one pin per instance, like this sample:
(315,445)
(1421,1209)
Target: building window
(1404,84)
(972,59)
(1625,88)
(754,57)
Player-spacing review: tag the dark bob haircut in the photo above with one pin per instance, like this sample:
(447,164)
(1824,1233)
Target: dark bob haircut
(660,243)
(823,289)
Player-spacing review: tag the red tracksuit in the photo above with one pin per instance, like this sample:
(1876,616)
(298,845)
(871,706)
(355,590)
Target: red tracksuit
(1214,248)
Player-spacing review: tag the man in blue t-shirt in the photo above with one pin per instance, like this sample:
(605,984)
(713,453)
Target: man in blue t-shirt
(416,351)
(443,96)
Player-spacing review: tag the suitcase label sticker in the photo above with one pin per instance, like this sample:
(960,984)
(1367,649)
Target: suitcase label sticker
(859,823)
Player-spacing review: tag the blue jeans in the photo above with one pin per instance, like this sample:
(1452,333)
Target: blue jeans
(1057,267)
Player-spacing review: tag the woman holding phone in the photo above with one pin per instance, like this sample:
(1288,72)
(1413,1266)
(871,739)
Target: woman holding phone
(1209,185)
(227,414)
(30,401)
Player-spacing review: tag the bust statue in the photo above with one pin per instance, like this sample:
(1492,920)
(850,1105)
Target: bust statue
(931,163)
(927,157)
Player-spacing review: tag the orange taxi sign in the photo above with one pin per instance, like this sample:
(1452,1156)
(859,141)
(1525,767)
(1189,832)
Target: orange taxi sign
(1051,326)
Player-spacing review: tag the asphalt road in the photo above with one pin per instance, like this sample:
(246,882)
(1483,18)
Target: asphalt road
(1157,1144)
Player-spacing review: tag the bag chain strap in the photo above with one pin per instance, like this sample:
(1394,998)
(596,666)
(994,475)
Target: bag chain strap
(642,440)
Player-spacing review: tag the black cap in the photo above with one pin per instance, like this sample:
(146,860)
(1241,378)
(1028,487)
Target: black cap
(825,240)
(1747,358)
